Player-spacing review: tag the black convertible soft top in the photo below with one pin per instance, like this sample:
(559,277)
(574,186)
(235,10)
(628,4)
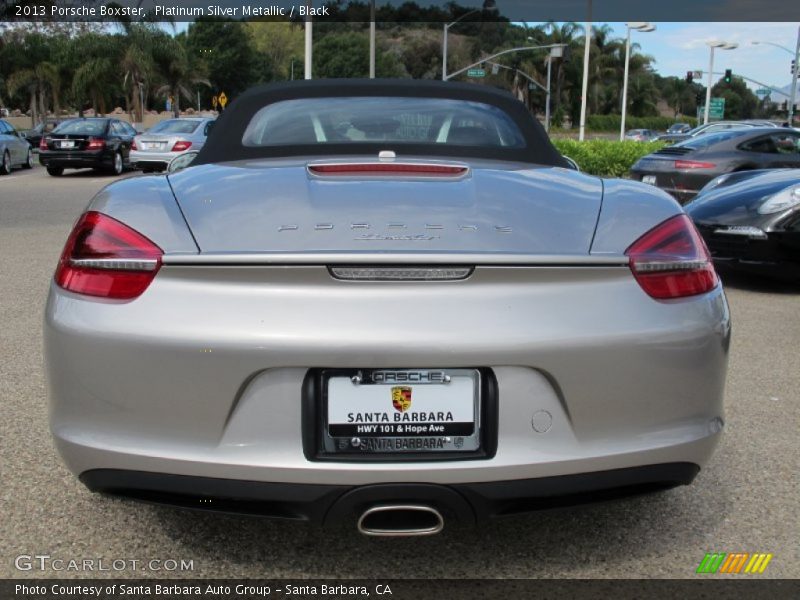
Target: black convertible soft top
(225,140)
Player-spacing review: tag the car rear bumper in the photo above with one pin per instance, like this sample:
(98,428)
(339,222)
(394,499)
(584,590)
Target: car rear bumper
(203,375)
(466,503)
(75,160)
(143,158)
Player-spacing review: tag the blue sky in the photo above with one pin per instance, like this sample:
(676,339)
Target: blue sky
(680,47)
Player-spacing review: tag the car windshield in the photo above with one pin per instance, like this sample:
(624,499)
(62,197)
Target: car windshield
(83,127)
(704,141)
(354,120)
(174,126)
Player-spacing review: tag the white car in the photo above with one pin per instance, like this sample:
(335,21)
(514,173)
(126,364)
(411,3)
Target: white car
(154,149)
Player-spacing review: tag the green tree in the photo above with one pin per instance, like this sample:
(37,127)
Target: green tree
(740,102)
(224,47)
(347,55)
(179,76)
(276,44)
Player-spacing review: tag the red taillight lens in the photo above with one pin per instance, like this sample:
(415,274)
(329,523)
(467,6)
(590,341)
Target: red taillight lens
(134,146)
(106,258)
(671,260)
(181,146)
(42,144)
(693,164)
(96,144)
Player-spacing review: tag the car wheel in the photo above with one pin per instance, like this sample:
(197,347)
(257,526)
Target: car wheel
(5,166)
(117,168)
(55,171)
(28,164)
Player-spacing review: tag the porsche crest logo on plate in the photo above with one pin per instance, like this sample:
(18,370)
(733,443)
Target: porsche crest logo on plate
(401,398)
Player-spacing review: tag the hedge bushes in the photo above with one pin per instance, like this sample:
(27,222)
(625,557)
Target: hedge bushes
(605,158)
(612,122)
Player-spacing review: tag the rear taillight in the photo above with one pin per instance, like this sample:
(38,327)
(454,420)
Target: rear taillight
(411,169)
(95,144)
(181,146)
(106,258)
(42,144)
(671,260)
(134,146)
(693,164)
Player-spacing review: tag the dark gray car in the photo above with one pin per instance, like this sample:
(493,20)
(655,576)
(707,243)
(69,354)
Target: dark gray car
(683,169)
(14,149)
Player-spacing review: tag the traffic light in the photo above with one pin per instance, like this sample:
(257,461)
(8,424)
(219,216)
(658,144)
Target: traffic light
(728,76)
(689,76)
(698,98)
(785,105)
(794,66)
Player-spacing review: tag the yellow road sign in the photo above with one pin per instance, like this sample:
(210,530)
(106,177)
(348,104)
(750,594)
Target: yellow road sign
(223,99)
(214,101)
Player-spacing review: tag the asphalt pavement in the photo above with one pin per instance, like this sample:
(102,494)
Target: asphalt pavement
(746,500)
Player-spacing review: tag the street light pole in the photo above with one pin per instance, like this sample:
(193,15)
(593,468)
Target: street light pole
(644,28)
(796,55)
(713,45)
(585,85)
(547,101)
(308,41)
(793,91)
(488,5)
(372,39)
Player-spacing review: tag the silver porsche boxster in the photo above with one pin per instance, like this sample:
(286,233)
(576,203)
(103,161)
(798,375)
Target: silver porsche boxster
(389,303)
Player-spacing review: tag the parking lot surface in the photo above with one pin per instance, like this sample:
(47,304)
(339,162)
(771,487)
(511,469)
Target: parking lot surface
(746,500)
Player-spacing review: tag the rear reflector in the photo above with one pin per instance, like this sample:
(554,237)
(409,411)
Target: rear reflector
(693,164)
(671,260)
(401,273)
(424,170)
(134,146)
(43,144)
(181,146)
(108,259)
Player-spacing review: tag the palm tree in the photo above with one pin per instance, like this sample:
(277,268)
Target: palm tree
(92,80)
(178,75)
(38,81)
(561,34)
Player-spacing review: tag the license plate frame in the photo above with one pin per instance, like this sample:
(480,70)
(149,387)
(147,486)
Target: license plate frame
(66,144)
(320,445)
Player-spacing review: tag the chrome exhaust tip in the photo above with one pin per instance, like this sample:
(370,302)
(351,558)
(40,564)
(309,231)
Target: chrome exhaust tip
(400,520)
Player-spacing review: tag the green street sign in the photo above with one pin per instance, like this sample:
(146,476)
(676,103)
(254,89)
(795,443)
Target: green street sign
(476,73)
(716,109)
(762,92)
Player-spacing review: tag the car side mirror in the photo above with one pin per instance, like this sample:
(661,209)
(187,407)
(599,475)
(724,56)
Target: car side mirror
(22,134)
(182,161)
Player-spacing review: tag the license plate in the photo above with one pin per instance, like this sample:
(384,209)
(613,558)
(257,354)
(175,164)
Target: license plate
(67,144)
(153,145)
(403,411)
(651,179)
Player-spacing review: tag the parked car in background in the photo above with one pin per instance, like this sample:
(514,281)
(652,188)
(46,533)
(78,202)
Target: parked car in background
(751,221)
(677,128)
(388,303)
(683,169)
(154,149)
(641,135)
(34,135)
(14,149)
(714,127)
(97,143)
